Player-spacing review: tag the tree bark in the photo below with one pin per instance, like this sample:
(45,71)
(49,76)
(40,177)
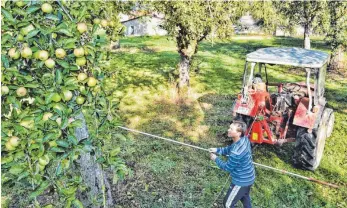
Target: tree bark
(183,68)
(92,172)
(307,33)
(336,59)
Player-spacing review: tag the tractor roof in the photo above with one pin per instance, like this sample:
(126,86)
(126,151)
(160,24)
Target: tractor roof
(289,56)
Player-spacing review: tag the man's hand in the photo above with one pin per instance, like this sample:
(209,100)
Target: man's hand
(213,150)
(213,156)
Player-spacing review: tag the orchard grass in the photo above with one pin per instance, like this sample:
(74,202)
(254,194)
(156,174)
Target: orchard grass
(169,175)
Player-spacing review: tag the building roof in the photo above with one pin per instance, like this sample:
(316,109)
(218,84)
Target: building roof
(289,56)
(126,18)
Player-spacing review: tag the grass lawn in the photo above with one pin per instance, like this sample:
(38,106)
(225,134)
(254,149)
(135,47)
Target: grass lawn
(169,175)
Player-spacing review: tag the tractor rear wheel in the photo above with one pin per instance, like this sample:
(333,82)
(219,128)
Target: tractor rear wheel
(304,152)
(309,147)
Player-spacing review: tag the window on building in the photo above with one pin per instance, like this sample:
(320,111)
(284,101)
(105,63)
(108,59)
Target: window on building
(131,30)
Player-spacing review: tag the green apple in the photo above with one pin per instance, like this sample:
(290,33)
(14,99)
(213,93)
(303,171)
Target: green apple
(12,143)
(14,53)
(47,116)
(78,52)
(20,3)
(82,76)
(80,100)
(67,95)
(20,37)
(96,21)
(50,63)
(60,53)
(21,92)
(29,124)
(81,61)
(43,55)
(56,97)
(44,160)
(4,90)
(82,27)
(91,82)
(58,120)
(27,29)
(26,52)
(46,8)
(104,23)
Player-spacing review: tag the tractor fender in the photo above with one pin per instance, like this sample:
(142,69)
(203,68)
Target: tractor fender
(305,118)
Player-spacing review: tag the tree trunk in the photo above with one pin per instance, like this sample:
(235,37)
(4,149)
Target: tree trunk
(336,59)
(92,173)
(307,32)
(183,68)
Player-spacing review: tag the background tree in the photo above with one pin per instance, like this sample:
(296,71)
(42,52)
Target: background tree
(53,59)
(337,32)
(304,13)
(269,16)
(190,22)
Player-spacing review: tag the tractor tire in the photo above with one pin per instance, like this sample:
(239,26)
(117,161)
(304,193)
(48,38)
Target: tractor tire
(309,147)
(304,152)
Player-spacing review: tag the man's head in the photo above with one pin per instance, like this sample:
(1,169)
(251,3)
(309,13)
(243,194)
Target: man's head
(237,129)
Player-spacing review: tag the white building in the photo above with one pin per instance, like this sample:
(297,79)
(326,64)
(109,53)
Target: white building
(143,25)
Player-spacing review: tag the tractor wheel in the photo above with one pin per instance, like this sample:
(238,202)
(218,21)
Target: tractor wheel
(309,147)
(305,146)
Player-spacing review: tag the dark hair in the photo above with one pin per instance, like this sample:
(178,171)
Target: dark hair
(241,126)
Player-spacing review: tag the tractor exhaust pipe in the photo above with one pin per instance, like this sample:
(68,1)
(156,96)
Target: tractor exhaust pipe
(256,164)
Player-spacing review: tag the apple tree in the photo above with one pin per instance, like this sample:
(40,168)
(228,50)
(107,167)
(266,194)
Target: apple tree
(52,77)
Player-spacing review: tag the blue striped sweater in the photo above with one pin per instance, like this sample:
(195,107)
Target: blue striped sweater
(239,163)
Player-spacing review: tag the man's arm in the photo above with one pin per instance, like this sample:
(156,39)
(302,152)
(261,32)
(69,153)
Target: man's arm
(224,150)
(221,150)
(227,166)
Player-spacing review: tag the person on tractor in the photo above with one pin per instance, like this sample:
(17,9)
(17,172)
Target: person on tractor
(239,165)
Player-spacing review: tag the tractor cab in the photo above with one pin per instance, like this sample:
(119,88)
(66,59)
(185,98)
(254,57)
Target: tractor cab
(277,112)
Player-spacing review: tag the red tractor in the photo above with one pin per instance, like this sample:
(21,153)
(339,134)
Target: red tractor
(276,113)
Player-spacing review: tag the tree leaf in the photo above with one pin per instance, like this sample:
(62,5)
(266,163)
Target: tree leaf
(43,186)
(23,175)
(32,33)
(77,203)
(64,64)
(62,143)
(52,17)
(7,15)
(58,77)
(57,149)
(5,61)
(76,123)
(16,169)
(31,85)
(65,32)
(19,11)
(32,9)
(49,97)
(48,137)
(74,68)
(72,139)
(5,38)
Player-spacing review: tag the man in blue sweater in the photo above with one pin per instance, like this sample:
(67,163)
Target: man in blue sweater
(239,165)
